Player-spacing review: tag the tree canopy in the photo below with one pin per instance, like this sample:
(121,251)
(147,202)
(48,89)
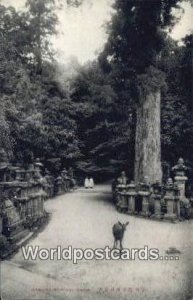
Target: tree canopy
(88,121)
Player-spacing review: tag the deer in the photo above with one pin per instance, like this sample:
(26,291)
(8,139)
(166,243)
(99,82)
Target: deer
(118,233)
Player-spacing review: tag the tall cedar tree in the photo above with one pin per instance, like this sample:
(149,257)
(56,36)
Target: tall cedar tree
(136,39)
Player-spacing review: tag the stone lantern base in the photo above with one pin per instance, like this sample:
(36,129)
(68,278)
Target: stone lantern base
(157,208)
(12,224)
(170,215)
(145,204)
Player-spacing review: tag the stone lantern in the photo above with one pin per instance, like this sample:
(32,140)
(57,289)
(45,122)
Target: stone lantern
(65,180)
(59,185)
(50,183)
(12,224)
(18,176)
(37,166)
(122,204)
(170,198)
(180,178)
(122,201)
(177,200)
(3,165)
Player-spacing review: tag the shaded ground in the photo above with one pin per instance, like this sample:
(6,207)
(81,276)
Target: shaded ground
(84,220)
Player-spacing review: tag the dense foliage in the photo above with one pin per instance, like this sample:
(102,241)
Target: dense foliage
(90,121)
(103,124)
(37,116)
(177,105)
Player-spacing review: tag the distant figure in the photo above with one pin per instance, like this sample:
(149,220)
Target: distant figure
(86,182)
(91,183)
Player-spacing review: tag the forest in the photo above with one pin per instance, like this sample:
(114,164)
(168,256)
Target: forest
(93,119)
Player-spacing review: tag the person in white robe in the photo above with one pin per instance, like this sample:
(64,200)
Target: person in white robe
(91,183)
(86,183)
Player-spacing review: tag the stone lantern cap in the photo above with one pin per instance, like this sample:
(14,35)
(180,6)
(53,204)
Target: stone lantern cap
(47,172)
(3,165)
(59,178)
(157,187)
(170,183)
(171,189)
(131,189)
(121,187)
(145,185)
(179,168)
(64,173)
(31,167)
(131,185)
(38,163)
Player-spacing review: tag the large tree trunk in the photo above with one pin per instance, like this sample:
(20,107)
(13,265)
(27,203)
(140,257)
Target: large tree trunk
(147,140)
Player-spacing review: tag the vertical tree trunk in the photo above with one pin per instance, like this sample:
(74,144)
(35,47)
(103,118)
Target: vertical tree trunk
(39,48)
(147,140)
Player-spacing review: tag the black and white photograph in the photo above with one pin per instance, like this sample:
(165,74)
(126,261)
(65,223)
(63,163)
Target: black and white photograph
(96,150)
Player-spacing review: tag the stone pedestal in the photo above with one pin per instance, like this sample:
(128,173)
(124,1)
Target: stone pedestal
(177,200)
(50,184)
(64,177)
(170,198)
(131,194)
(122,204)
(181,183)
(170,209)
(58,185)
(18,176)
(157,207)
(68,184)
(145,203)
(144,193)
(156,198)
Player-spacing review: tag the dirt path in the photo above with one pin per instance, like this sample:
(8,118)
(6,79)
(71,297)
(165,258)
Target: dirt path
(84,219)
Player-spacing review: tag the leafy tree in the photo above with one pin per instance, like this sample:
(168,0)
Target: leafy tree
(42,24)
(36,112)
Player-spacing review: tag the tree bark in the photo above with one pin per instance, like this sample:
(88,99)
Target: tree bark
(147,139)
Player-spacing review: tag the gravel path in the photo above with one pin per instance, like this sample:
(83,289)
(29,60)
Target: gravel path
(84,219)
